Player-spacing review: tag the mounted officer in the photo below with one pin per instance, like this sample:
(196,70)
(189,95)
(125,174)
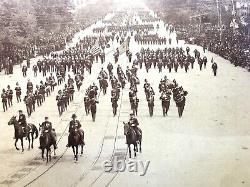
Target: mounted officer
(133,123)
(22,122)
(47,126)
(74,124)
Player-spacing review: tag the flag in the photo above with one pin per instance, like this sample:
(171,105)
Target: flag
(234,24)
(123,47)
(95,49)
(242,20)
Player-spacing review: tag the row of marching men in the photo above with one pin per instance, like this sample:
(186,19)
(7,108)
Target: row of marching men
(166,89)
(117,83)
(66,95)
(32,96)
(170,58)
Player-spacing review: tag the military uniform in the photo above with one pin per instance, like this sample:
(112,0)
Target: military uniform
(75,125)
(47,126)
(18,93)
(165,98)
(133,123)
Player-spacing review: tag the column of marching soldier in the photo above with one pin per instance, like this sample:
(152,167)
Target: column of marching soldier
(79,59)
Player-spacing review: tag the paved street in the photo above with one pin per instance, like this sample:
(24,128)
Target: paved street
(208,146)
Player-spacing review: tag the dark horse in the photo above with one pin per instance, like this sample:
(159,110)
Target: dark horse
(46,143)
(132,138)
(75,141)
(20,134)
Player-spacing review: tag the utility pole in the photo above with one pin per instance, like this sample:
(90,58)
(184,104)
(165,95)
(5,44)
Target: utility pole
(218,2)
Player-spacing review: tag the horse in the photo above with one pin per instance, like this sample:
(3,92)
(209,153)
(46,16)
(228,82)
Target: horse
(75,141)
(46,143)
(132,138)
(20,134)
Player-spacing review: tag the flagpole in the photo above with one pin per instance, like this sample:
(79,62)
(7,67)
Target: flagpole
(219,18)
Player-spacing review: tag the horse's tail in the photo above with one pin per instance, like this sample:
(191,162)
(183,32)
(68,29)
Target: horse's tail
(36,132)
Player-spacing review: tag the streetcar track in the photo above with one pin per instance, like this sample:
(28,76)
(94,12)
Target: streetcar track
(83,175)
(57,160)
(113,153)
(66,149)
(37,157)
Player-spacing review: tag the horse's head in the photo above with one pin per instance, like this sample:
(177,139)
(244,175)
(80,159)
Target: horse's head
(126,128)
(12,121)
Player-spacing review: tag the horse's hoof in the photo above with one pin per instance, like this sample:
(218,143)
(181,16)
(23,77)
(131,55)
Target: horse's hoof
(17,149)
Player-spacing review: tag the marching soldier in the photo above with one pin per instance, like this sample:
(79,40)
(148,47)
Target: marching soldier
(110,68)
(86,104)
(35,69)
(205,61)
(200,62)
(10,95)
(93,107)
(18,92)
(4,97)
(114,101)
(165,98)
(29,86)
(214,68)
(24,70)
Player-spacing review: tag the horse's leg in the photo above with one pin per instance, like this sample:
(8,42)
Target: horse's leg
(135,148)
(43,154)
(81,149)
(179,111)
(28,136)
(22,144)
(182,109)
(73,148)
(77,153)
(54,150)
(16,145)
(140,145)
(47,155)
(32,140)
(129,150)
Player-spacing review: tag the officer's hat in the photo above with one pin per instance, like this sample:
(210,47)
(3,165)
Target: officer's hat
(74,116)
(20,111)
(46,118)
